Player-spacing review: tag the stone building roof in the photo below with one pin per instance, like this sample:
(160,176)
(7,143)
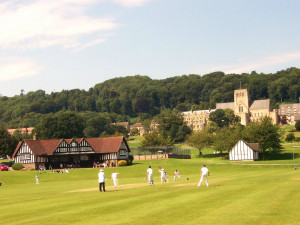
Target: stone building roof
(226,105)
(260,104)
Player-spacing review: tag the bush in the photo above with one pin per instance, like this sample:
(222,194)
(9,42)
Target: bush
(130,159)
(17,166)
(290,137)
(297,125)
(122,163)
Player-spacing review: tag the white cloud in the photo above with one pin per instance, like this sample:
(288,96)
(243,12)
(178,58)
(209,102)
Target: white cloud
(14,68)
(89,44)
(131,3)
(40,24)
(259,65)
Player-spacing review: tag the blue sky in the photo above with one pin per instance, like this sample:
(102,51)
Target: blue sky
(67,44)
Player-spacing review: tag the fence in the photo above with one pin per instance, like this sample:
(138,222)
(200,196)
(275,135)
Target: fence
(160,152)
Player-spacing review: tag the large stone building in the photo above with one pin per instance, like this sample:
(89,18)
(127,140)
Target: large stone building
(248,110)
(291,112)
(242,106)
(197,120)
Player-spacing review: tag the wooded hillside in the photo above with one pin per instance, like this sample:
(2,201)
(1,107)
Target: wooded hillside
(132,96)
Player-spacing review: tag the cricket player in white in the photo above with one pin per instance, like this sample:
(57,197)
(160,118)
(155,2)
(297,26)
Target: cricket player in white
(150,178)
(162,174)
(204,173)
(176,174)
(37,179)
(115,178)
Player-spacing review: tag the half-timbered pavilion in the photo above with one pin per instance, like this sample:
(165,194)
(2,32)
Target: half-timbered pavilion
(84,152)
(244,151)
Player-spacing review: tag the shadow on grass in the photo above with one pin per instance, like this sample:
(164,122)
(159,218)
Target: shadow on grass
(268,156)
(281,156)
(214,156)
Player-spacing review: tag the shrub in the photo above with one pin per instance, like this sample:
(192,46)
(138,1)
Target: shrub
(17,166)
(290,137)
(122,163)
(130,159)
(297,125)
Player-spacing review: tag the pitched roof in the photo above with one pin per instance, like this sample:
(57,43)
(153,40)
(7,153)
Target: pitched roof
(261,104)
(105,145)
(227,105)
(41,147)
(136,125)
(253,146)
(99,145)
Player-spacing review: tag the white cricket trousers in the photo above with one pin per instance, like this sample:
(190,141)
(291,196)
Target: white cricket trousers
(201,179)
(150,179)
(115,181)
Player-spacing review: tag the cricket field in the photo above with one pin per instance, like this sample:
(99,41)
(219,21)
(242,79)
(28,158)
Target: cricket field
(263,192)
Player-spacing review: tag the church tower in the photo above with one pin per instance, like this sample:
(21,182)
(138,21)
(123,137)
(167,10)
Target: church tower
(242,104)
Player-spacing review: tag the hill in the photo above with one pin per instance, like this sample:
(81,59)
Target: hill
(133,96)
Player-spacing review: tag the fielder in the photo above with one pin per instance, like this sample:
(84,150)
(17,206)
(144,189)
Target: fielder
(176,174)
(37,179)
(162,174)
(204,173)
(114,177)
(150,177)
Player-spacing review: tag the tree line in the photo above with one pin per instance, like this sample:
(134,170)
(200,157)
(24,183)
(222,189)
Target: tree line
(140,96)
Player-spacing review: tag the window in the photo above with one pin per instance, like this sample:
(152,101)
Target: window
(240,108)
(85,149)
(73,144)
(73,147)
(24,157)
(63,149)
(123,152)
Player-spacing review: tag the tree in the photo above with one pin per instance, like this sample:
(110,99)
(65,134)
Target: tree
(200,140)
(226,138)
(171,125)
(96,125)
(61,125)
(90,131)
(212,127)
(7,143)
(290,137)
(297,125)
(224,118)
(265,133)
(118,130)
(134,131)
(155,139)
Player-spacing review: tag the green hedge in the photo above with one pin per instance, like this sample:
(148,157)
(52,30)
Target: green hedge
(17,166)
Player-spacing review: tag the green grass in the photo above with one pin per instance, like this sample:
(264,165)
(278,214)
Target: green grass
(239,193)
(135,141)
(287,129)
